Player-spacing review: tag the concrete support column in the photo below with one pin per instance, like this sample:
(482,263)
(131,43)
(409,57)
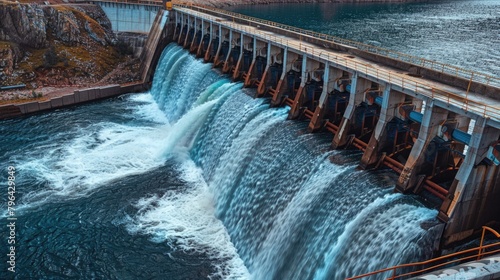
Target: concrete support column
(248,75)
(179,40)
(276,93)
(358,87)
(191,44)
(261,89)
(319,113)
(473,197)
(218,47)
(432,118)
(288,60)
(390,103)
(176,16)
(184,44)
(206,57)
(236,72)
(227,64)
(329,80)
(299,96)
(200,48)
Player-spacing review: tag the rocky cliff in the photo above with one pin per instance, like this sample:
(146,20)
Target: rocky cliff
(56,44)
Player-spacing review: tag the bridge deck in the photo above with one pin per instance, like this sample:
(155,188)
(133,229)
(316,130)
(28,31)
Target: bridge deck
(454,99)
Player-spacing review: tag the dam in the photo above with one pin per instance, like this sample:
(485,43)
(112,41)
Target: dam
(247,175)
(436,126)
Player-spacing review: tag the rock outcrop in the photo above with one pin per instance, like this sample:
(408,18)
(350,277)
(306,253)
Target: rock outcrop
(9,56)
(23,24)
(44,45)
(31,25)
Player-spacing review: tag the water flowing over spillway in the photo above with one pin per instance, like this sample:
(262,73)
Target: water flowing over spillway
(289,212)
(198,180)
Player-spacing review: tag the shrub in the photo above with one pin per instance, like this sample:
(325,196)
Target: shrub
(50,58)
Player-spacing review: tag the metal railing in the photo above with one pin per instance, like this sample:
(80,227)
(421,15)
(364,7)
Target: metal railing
(130,2)
(422,62)
(440,262)
(405,82)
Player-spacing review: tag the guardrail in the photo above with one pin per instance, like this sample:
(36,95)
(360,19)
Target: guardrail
(401,80)
(426,63)
(437,263)
(131,2)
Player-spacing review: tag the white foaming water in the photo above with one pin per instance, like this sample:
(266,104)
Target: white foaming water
(187,221)
(149,110)
(186,218)
(97,154)
(185,129)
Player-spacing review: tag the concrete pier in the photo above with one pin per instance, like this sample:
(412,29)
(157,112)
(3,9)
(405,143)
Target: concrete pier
(378,140)
(358,88)
(298,97)
(474,194)
(434,116)
(330,76)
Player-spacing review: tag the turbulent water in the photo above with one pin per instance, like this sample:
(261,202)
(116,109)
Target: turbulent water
(197,180)
(464,33)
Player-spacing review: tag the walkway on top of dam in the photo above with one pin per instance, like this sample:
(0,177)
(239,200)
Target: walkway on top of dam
(452,98)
